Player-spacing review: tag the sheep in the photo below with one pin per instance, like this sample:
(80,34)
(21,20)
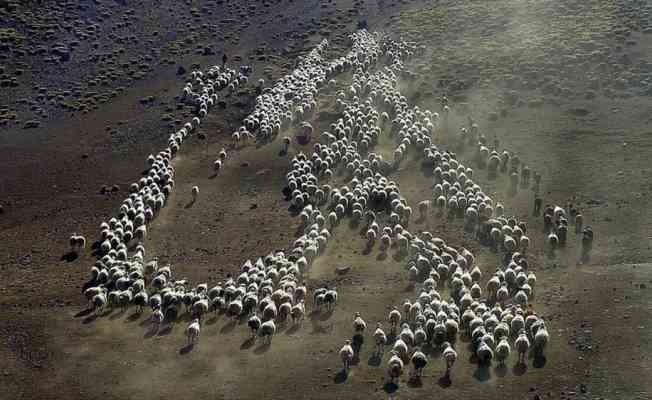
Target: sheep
(450,356)
(99,301)
(235,137)
(522,345)
(297,312)
(283,311)
(157,318)
(423,209)
(359,325)
(380,338)
(268,330)
(285,144)
(193,330)
(332,219)
(195,193)
(400,347)
(541,339)
(346,355)
(217,166)
(385,242)
(502,351)
(419,362)
(394,366)
(92,292)
(234,309)
(452,328)
(394,319)
(371,237)
(552,240)
(521,298)
(484,352)
(254,324)
(330,297)
(141,300)
(77,243)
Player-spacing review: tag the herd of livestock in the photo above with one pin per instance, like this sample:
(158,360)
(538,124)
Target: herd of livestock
(343,178)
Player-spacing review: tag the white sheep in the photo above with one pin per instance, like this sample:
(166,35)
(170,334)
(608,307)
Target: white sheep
(157,317)
(522,345)
(254,324)
(77,243)
(346,355)
(359,325)
(298,311)
(330,297)
(385,242)
(380,338)
(541,339)
(193,330)
(502,351)
(419,362)
(99,301)
(484,352)
(195,193)
(268,330)
(217,166)
(394,366)
(286,144)
(450,356)
(424,206)
(394,318)
(401,348)
(371,237)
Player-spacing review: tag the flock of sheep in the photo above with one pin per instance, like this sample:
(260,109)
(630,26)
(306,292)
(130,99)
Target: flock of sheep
(450,299)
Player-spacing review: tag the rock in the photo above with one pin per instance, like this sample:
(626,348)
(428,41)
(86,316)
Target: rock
(25,260)
(578,112)
(535,103)
(181,70)
(31,124)
(342,270)
(61,52)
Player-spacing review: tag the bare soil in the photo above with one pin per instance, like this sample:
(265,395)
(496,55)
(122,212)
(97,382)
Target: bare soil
(598,311)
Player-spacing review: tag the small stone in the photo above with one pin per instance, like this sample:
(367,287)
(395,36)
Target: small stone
(343,270)
(181,70)
(31,124)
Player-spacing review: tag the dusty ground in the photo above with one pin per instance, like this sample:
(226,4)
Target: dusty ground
(528,86)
